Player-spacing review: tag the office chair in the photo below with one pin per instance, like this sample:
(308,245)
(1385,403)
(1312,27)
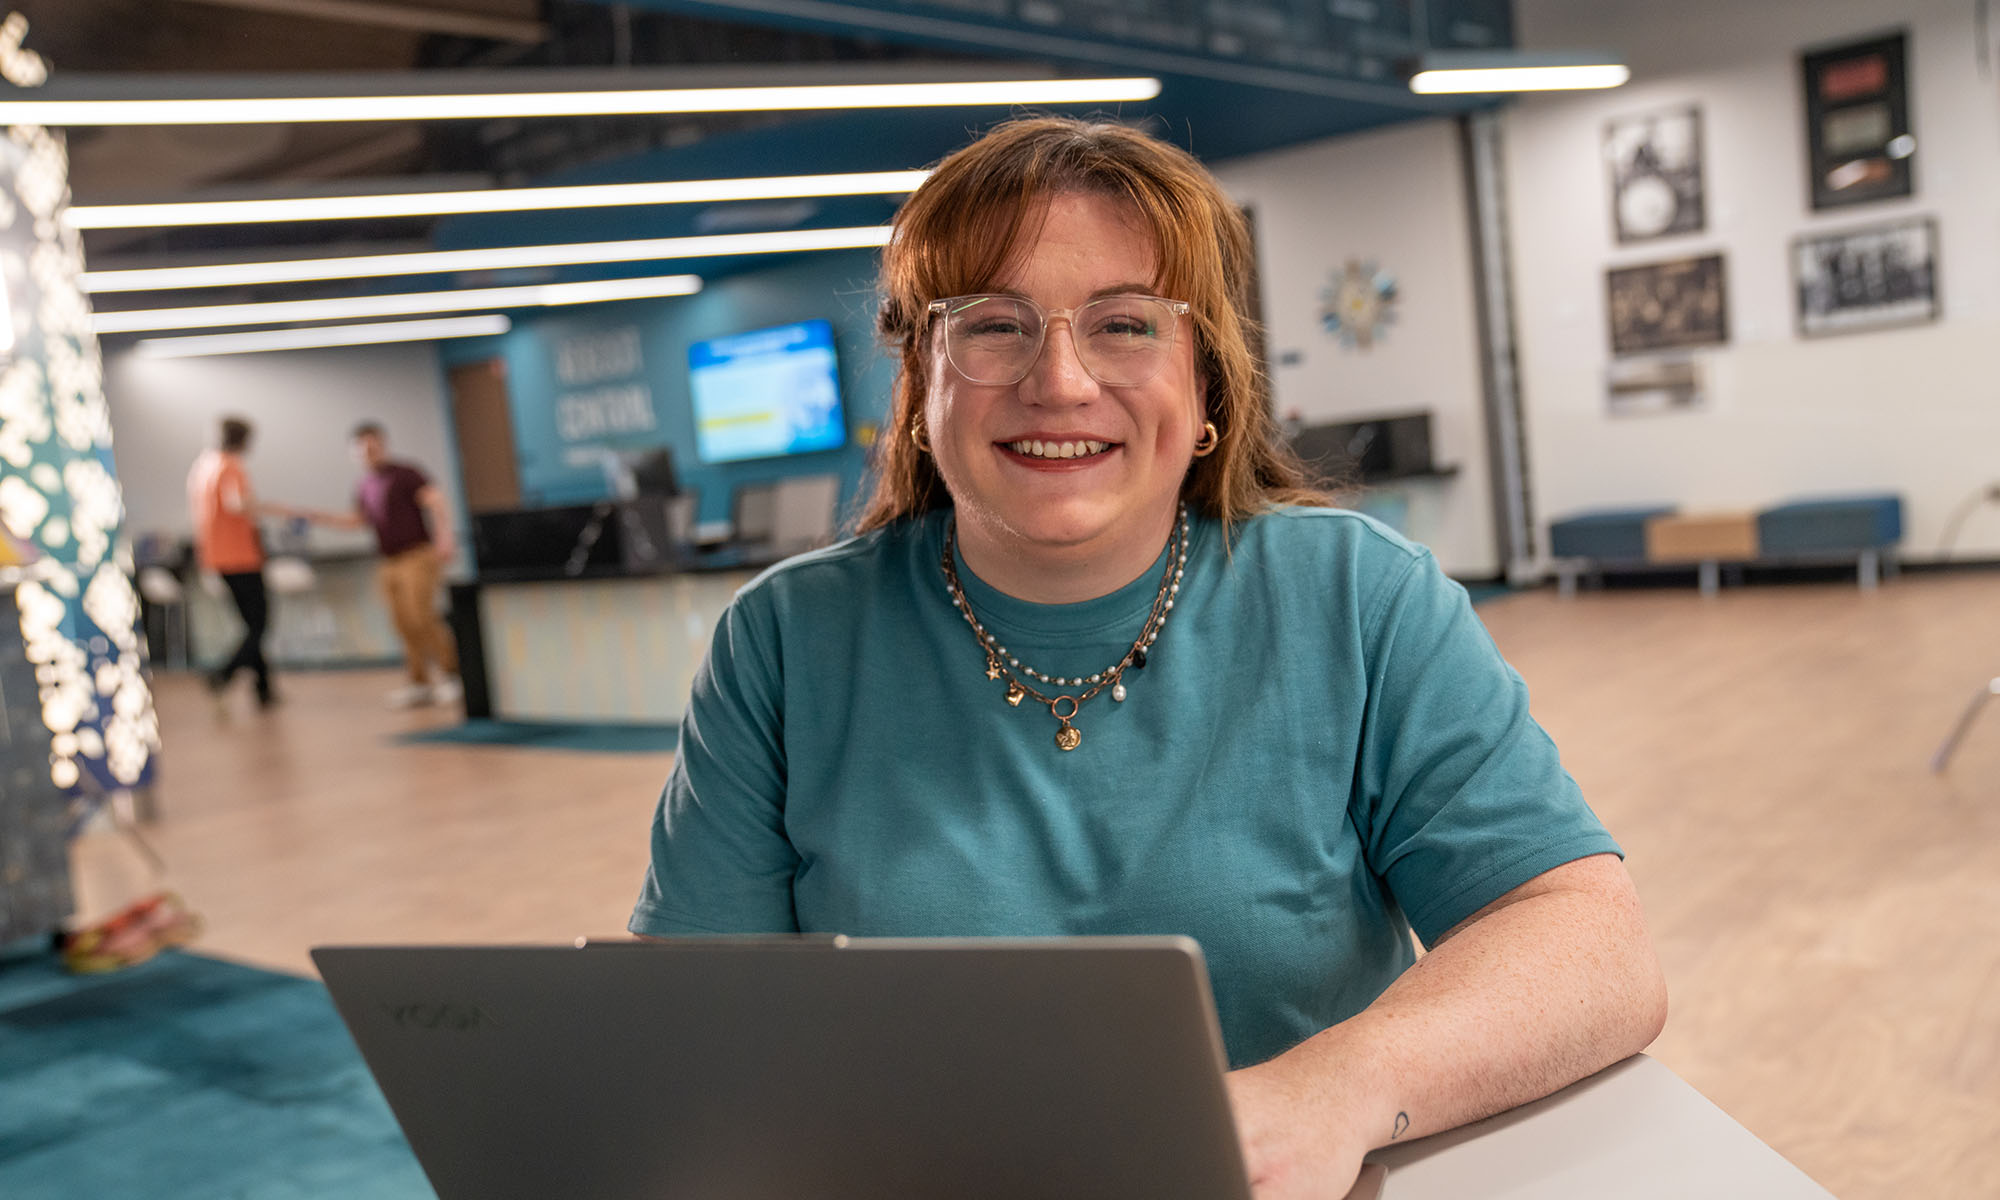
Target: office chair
(163,593)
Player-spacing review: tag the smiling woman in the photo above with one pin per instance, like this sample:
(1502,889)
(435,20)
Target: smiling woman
(1097,664)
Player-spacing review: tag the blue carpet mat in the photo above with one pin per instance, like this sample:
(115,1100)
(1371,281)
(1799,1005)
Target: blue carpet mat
(602,738)
(187,1078)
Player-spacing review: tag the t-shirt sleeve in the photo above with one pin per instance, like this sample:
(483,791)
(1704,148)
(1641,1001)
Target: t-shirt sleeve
(721,861)
(1461,795)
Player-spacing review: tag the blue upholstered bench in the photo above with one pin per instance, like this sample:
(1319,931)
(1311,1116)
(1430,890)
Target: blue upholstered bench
(1599,538)
(1863,527)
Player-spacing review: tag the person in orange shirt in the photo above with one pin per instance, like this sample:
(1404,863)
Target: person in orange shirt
(227,542)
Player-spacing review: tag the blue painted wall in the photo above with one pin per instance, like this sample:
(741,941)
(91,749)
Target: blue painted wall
(616,376)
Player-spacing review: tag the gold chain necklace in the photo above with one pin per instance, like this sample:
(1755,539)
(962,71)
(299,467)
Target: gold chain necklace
(1002,664)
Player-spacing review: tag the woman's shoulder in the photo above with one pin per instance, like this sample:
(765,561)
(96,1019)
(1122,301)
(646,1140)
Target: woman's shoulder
(1292,531)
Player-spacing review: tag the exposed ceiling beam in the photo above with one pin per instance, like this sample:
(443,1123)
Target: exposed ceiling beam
(416,17)
(266,188)
(351,158)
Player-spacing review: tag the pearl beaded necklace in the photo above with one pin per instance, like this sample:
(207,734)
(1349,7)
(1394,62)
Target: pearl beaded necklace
(1001,663)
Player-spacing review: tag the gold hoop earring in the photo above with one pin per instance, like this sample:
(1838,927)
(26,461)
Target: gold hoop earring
(1210,439)
(917,437)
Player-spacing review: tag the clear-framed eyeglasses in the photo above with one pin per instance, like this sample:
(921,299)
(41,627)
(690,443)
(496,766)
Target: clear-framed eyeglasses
(1121,340)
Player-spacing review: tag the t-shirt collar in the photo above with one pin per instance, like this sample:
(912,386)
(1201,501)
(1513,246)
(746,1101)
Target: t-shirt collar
(1119,612)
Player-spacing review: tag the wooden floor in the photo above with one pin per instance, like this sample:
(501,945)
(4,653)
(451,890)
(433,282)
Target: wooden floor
(1828,910)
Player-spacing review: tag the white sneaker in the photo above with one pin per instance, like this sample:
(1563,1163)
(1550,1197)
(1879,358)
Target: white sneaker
(447,691)
(410,695)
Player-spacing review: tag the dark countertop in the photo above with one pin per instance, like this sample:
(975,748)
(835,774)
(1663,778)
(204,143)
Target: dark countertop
(689,562)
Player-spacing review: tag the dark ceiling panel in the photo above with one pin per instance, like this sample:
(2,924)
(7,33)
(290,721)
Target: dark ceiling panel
(1347,49)
(1240,77)
(167,35)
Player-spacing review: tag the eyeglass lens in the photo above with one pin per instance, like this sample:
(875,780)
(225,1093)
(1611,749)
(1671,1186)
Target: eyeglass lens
(1121,340)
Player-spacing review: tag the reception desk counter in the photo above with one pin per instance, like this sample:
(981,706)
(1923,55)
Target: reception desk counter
(605,644)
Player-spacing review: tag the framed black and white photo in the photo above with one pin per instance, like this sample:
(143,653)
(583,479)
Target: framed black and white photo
(1667,305)
(1655,163)
(1858,140)
(1871,278)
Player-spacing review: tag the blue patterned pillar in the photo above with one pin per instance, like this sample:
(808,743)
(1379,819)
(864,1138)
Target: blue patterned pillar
(58,490)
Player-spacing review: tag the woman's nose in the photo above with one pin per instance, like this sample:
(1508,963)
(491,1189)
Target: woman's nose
(1058,376)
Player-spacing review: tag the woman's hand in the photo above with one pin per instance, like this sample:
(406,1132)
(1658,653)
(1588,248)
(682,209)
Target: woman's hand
(1296,1144)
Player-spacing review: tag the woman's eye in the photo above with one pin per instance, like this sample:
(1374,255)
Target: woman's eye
(994,327)
(1123,327)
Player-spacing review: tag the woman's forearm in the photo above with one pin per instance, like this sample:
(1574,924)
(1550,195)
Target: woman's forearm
(1554,981)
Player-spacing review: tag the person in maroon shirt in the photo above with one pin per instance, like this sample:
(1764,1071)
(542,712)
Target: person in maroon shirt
(412,521)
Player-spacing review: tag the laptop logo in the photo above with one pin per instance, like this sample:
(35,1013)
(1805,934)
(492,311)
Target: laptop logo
(443,1016)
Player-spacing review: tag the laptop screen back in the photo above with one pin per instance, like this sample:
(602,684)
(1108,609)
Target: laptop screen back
(722,1069)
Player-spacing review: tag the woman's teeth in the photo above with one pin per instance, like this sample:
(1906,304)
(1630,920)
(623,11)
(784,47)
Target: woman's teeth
(1037,449)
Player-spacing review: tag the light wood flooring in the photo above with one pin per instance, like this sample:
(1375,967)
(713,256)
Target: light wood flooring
(1827,909)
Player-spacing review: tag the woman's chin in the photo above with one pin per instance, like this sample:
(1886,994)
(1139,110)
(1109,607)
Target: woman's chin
(1065,528)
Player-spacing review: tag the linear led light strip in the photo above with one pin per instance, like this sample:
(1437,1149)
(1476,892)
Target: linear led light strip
(282,312)
(380,333)
(430,262)
(1519,79)
(424,204)
(290,109)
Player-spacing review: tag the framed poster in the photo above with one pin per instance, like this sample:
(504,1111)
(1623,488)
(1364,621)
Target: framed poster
(1858,140)
(1655,162)
(1870,278)
(1667,305)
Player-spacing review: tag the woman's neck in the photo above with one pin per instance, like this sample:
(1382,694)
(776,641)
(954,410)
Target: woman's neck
(1064,574)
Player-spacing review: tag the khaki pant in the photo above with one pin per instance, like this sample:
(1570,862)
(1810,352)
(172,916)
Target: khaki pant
(410,583)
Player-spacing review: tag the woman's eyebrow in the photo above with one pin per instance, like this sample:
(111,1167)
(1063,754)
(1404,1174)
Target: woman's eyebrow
(1123,289)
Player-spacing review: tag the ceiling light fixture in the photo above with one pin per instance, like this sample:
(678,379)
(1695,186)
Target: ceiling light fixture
(1515,71)
(433,262)
(282,312)
(417,106)
(492,200)
(375,334)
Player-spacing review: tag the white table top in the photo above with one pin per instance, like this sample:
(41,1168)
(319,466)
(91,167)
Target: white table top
(1635,1131)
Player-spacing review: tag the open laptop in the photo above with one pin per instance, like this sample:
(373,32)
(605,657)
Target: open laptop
(817,1068)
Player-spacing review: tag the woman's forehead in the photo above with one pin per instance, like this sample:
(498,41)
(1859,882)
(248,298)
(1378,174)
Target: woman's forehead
(1080,232)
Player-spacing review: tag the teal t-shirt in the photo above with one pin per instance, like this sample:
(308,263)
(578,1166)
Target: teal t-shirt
(1324,751)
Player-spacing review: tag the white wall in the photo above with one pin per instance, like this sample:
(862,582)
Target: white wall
(303,405)
(1915,410)
(1395,196)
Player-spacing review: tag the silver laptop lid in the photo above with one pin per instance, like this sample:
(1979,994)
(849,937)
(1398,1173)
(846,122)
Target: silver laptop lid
(800,1069)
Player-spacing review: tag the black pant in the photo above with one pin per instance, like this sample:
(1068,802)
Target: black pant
(247,589)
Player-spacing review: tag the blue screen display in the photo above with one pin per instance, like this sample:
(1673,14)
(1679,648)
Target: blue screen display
(766,393)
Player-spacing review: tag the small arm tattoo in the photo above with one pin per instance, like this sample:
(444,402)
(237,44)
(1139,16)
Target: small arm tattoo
(1402,1125)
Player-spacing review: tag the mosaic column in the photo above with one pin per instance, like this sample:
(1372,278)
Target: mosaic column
(58,490)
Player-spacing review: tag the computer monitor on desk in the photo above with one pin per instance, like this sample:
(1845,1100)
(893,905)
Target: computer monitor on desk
(647,472)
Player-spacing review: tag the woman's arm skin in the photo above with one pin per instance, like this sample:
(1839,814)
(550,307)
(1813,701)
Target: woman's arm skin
(1553,981)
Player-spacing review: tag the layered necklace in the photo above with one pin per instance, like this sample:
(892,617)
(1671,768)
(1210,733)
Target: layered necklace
(1002,664)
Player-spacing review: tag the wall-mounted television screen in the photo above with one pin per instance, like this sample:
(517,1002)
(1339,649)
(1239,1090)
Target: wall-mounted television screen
(766,393)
